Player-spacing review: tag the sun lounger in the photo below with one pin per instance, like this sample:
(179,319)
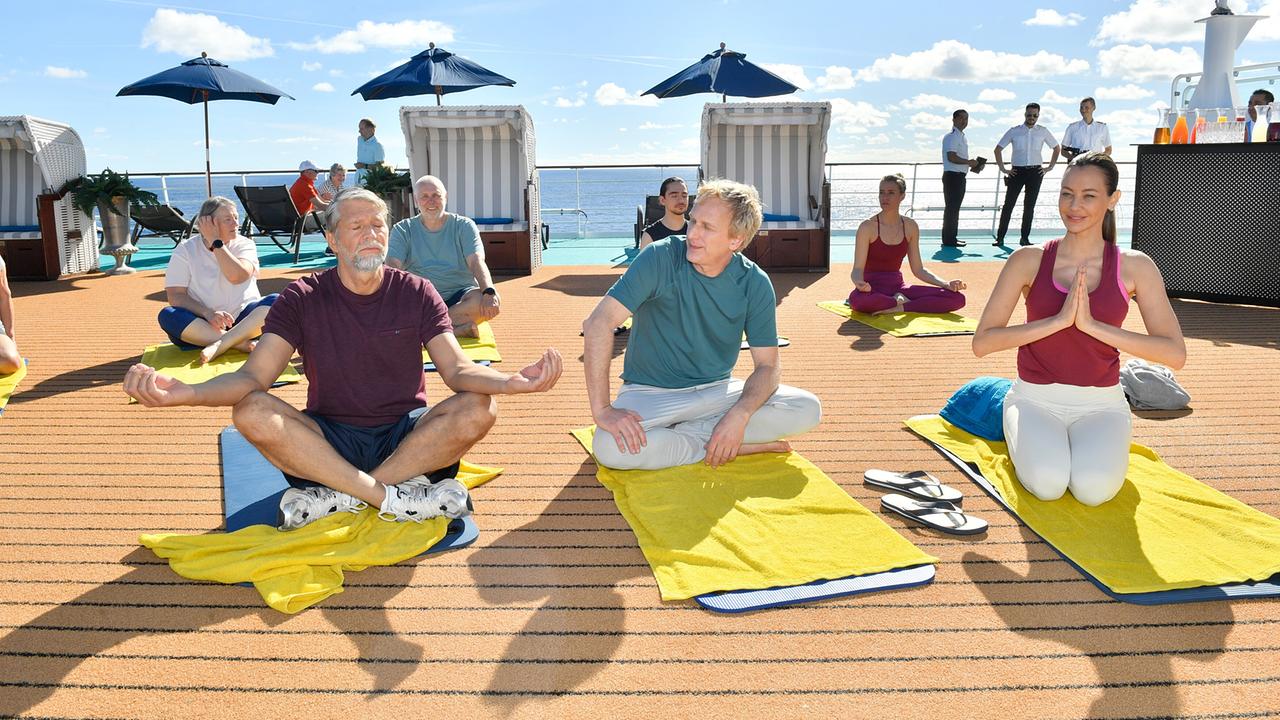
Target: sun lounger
(160,221)
(270,212)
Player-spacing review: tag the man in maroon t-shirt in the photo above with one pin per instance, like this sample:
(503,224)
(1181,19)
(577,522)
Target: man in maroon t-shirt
(364,436)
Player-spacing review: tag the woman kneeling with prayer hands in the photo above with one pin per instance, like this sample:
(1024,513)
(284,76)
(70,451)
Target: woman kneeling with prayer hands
(1066,420)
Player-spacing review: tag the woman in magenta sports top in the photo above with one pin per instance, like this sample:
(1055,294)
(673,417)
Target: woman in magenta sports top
(882,243)
(1065,418)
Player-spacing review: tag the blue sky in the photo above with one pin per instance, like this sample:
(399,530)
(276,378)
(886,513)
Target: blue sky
(893,70)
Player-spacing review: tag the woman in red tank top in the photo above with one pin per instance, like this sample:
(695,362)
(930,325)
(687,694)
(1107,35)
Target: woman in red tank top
(883,241)
(1066,420)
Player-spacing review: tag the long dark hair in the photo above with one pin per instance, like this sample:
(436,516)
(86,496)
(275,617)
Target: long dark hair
(1103,162)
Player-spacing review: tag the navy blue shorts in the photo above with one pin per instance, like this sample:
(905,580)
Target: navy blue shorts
(456,298)
(367,447)
(174,320)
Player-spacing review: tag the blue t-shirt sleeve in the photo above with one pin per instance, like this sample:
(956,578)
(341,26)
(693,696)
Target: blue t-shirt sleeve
(398,244)
(762,315)
(469,237)
(642,279)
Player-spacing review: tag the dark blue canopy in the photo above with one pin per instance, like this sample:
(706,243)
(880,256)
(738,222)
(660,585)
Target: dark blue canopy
(431,72)
(725,72)
(190,81)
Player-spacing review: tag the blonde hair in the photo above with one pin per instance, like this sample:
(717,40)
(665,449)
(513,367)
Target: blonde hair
(745,211)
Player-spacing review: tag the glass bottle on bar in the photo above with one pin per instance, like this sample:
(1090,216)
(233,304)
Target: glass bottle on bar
(1179,134)
(1202,122)
(1163,131)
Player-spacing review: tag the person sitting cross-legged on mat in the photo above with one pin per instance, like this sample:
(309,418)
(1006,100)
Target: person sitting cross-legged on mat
(882,242)
(212,286)
(360,328)
(10,359)
(446,249)
(1066,420)
(691,300)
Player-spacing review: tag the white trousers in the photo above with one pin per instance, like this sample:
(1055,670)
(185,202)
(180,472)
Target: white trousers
(678,422)
(1068,437)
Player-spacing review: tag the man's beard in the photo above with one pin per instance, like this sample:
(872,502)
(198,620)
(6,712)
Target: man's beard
(368,263)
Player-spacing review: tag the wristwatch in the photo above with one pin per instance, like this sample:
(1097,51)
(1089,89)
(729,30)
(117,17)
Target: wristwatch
(215,245)
(490,291)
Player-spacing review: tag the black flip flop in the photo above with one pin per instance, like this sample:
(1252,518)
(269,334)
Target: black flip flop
(917,484)
(942,516)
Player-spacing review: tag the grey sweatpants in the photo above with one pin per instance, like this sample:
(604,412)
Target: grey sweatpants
(678,422)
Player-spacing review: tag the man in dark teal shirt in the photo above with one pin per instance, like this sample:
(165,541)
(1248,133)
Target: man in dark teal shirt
(691,300)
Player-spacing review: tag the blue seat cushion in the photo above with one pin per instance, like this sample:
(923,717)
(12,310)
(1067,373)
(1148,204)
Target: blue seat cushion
(19,228)
(770,217)
(978,407)
(493,221)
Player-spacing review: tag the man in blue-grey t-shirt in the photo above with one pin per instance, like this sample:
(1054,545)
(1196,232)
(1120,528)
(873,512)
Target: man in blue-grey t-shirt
(692,299)
(445,248)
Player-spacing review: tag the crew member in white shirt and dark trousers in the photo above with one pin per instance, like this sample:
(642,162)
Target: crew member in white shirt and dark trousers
(1087,134)
(1027,170)
(955,166)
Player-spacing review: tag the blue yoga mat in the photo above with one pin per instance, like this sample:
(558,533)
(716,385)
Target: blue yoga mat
(252,486)
(737,601)
(1264,589)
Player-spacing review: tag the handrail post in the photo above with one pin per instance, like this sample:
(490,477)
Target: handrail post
(164,187)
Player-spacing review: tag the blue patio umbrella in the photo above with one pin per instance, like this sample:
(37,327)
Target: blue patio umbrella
(200,80)
(433,70)
(725,72)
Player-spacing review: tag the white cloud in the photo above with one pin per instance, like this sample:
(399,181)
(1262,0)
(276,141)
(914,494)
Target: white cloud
(929,100)
(1122,92)
(1157,21)
(338,73)
(856,118)
(1053,96)
(63,73)
(1053,18)
(187,34)
(404,35)
(563,102)
(996,95)
(614,94)
(650,125)
(322,87)
(99,131)
(1143,63)
(878,139)
(835,78)
(954,60)
(938,121)
(311,66)
(793,74)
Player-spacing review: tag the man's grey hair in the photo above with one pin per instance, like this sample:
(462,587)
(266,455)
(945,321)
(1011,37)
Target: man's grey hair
(333,213)
(210,206)
(745,210)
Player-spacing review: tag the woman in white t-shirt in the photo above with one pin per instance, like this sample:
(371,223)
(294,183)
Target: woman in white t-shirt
(212,288)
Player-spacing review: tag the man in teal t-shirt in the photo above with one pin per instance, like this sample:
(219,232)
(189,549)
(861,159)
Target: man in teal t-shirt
(445,248)
(691,300)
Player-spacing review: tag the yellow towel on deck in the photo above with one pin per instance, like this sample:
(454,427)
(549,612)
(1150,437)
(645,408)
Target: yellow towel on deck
(761,521)
(906,324)
(9,384)
(296,569)
(484,347)
(1165,530)
(181,364)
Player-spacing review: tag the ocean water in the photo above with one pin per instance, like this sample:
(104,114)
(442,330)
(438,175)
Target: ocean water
(607,198)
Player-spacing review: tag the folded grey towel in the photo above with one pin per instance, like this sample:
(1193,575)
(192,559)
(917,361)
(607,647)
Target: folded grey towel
(1152,387)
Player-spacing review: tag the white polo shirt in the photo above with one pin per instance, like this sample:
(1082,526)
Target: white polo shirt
(194,267)
(1027,142)
(1087,137)
(955,142)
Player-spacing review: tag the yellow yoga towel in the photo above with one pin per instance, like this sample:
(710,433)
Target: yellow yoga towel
(181,364)
(761,521)
(296,569)
(484,347)
(1164,531)
(9,384)
(906,324)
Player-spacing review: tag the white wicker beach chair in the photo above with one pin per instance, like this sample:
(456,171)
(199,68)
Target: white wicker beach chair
(485,156)
(781,149)
(42,235)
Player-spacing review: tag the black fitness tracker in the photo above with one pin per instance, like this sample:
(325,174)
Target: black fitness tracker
(216,244)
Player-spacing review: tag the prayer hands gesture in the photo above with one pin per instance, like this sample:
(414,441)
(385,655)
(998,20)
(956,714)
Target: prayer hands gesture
(221,321)
(537,377)
(1075,309)
(624,426)
(153,389)
(726,439)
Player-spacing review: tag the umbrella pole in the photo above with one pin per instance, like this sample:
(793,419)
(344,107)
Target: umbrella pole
(208,166)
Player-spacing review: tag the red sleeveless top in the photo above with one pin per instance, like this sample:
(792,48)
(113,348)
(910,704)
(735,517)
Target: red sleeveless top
(886,258)
(1069,356)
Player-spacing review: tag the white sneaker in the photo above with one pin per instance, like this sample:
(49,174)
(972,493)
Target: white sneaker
(418,499)
(300,506)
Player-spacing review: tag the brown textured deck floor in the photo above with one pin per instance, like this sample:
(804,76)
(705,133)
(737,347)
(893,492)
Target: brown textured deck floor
(553,611)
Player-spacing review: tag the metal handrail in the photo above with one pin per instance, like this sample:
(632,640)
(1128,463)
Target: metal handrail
(1184,94)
